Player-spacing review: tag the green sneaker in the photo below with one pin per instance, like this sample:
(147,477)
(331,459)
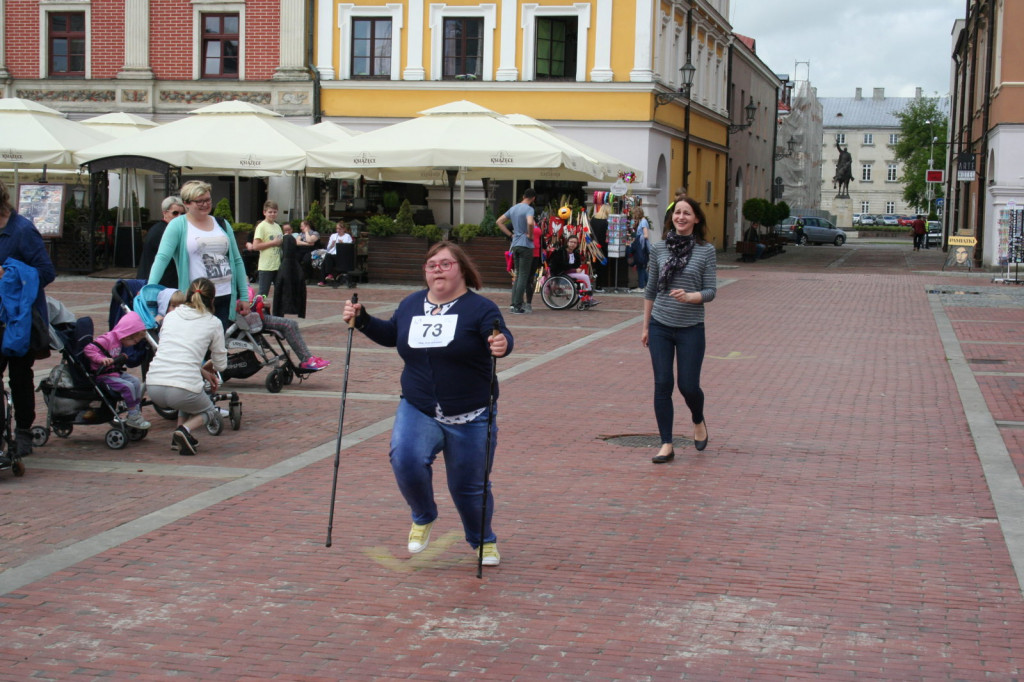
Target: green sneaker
(419,537)
(491,556)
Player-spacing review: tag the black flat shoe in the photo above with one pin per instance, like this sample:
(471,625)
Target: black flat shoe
(661,459)
(701,444)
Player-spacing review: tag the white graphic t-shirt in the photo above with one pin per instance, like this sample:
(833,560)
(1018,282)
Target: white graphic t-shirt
(209,257)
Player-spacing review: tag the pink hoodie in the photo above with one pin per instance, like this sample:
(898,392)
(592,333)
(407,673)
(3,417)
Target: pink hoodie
(130,324)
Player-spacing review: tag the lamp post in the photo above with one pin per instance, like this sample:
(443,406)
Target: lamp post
(931,165)
(790,149)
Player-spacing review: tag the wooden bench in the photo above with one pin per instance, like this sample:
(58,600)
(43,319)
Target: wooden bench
(747,251)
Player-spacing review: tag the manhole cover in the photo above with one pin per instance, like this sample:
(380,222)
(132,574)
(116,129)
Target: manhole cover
(643,440)
(988,361)
(958,293)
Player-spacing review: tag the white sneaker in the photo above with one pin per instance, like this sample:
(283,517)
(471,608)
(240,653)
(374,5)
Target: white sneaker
(419,537)
(136,421)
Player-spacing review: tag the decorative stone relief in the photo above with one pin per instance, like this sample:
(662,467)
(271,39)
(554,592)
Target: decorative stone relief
(294,97)
(134,96)
(68,95)
(212,97)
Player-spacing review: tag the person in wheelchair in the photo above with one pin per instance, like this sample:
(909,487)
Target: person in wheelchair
(566,260)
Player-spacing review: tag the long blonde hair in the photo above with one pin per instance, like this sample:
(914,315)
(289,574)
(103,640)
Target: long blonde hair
(200,295)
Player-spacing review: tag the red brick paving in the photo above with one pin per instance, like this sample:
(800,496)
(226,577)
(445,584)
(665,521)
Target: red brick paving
(838,526)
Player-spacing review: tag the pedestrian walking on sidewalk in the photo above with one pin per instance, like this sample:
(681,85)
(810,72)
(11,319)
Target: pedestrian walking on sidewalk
(683,278)
(920,233)
(444,336)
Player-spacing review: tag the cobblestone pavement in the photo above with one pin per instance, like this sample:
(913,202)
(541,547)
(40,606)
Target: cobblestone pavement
(858,513)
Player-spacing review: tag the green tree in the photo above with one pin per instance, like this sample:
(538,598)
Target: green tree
(223,210)
(922,134)
(403,221)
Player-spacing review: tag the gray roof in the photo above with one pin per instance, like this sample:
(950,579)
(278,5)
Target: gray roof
(850,112)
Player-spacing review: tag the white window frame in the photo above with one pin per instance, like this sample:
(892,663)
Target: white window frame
(840,138)
(869,138)
(865,172)
(865,207)
(892,173)
(346,13)
(438,13)
(890,207)
(580,10)
(201,7)
(45,7)
(894,138)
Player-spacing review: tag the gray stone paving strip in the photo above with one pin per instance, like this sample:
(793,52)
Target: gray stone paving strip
(152,469)
(36,569)
(1004,482)
(40,567)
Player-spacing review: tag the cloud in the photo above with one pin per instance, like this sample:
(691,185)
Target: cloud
(896,44)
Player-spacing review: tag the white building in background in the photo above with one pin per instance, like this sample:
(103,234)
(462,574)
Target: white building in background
(866,127)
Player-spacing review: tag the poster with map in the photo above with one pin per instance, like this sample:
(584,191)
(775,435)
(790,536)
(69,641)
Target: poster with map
(43,204)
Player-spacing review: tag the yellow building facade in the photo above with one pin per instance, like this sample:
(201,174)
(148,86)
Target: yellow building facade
(591,70)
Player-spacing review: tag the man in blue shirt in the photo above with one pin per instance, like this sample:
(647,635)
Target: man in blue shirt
(521,217)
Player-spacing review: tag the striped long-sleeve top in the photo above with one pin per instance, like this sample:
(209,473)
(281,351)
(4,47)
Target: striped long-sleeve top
(700,274)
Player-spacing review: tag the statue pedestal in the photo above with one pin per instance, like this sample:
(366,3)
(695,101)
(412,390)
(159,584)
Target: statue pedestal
(843,208)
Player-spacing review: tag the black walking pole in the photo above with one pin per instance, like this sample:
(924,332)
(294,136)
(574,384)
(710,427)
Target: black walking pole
(341,422)
(487,457)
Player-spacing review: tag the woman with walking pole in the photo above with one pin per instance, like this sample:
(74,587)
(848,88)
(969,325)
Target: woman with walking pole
(444,336)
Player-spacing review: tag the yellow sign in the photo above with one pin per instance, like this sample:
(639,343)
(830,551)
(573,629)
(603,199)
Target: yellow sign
(962,241)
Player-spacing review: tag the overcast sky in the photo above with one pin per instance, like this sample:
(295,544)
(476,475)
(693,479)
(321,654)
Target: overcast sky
(895,44)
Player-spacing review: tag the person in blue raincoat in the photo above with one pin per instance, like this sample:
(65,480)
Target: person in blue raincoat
(20,240)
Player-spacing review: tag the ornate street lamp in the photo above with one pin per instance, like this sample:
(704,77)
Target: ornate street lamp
(750,111)
(790,149)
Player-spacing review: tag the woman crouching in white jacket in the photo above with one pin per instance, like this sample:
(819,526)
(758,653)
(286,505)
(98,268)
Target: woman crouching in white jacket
(176,375)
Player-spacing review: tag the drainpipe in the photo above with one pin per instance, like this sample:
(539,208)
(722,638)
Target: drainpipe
(985,120)
(314,73)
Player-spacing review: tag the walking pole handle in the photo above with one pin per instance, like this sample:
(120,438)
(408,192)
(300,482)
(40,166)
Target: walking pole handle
(355,299)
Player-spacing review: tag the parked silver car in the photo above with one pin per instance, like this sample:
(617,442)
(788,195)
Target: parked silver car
(816,231)
(869,219)
(934,234)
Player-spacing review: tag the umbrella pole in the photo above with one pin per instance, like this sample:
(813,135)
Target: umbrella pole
(462,197)
(238,208)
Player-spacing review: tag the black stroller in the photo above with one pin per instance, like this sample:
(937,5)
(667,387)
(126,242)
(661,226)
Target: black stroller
(74,397)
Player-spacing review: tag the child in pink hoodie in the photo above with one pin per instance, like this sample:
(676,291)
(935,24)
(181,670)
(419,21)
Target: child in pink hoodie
(103,358)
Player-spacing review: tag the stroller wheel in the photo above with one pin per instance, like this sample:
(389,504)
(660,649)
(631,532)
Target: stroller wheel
(40,434)
(116,439)
(63,430)
(275,381)
(215,425)
(235,415)
(18,468)
(165,413)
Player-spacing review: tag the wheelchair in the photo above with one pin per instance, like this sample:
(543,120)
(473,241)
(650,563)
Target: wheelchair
(561,292)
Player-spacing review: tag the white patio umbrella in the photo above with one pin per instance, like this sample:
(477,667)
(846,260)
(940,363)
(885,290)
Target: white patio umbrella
(34,135)
(232,136)
(120,124)
(612,166)
(456,136)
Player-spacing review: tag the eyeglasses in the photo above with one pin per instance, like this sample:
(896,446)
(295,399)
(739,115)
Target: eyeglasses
(202,202)
(176,213)
(439,266)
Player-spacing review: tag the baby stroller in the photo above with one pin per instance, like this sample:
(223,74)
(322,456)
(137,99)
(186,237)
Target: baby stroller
(144,299)
(250,350)
(9,457)
(73,396)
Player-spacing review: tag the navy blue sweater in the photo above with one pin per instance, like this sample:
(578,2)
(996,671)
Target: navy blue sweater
(21,240)
(456,377)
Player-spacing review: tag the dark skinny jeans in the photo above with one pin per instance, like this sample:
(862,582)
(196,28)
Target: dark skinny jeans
(684,345)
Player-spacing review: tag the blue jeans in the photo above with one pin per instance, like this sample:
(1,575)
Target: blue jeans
(522,259)
(686,346)
(641,276)
(415,441)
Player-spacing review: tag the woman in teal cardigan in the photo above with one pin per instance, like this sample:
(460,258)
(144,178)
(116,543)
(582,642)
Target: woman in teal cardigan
(201,247)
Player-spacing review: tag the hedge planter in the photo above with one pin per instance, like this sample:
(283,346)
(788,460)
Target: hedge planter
(488,253)
(397,259)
